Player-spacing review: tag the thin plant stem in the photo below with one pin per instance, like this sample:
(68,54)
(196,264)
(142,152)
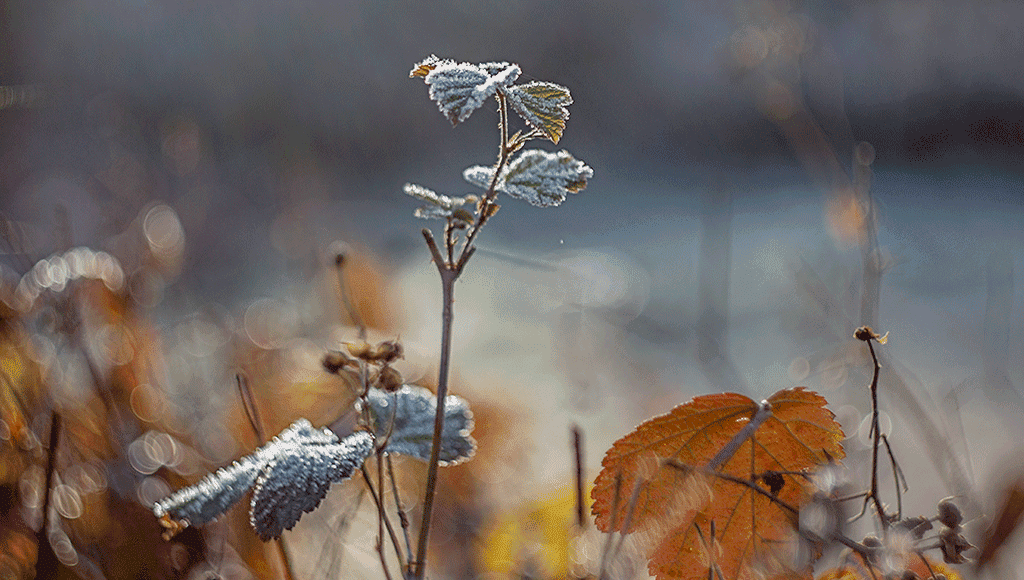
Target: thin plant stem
(897,475)
(606,551)
(402,517)
(448,277)
(450,269)
(46,561)
(764,410)
(339,264)
(577,445)
(253,414)
(387,522)
(876,438)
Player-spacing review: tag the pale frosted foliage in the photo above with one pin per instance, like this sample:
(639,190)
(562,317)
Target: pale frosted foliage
(297,480)
(441,206)
(479,175)
(461,88)
(323,456)
(423,67)
(541,178)
(542,105)
(212,496)
(408,415)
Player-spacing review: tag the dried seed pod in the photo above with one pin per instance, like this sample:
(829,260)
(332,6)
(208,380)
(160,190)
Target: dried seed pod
(949,513)
(358,349)
(916,525)
(953,545)
(872,541)
(389,379)
(335,360)
(386,352)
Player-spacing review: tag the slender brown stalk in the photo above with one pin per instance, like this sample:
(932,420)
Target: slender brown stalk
(402,517)
(876,438)
(253,414)
(346,301)
(450,269)
(577,445)
(387,522)
(46,561)
(448,277)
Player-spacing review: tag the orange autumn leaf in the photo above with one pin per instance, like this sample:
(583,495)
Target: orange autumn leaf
(676,508)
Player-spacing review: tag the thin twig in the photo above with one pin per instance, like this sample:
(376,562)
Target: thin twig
(764,410)
(606,550)
(387,522)
(46,561)
(628,520)
(402,517)
(253,414)
(339,264)
(448,278)
(744,482)
(897,475)
(577,445)
(249,404)
(876,438)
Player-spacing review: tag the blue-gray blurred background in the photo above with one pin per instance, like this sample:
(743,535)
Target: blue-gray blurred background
(721,244)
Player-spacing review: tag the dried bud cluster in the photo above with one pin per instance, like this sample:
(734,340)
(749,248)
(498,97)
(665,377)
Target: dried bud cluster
(951,540)
(378,356)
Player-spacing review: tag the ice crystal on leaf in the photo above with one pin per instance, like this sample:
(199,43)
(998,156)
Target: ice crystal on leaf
(298,478)
(541,178)
(312,458)
(461,88)
(542,105)
(406,420)
(441,206)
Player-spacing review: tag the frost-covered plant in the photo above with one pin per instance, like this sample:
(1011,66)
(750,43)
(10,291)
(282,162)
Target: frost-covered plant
(539,177)
(291,474)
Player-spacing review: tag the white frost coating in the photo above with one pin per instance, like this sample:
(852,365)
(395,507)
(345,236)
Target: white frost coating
(542,105)
(541,178)
(297,480)
(324,458)
(461,88)
(410,423)
(441,207)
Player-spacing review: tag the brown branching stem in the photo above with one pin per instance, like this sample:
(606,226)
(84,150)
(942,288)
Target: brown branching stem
(450,268)
(883,518)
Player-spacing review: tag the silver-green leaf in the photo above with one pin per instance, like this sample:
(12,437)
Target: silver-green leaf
(441,206)
(542,105)
(541,178)
(405,419)
(296,481)
(461,88)
(308,458)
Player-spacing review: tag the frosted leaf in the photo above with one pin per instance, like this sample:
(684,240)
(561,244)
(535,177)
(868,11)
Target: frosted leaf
(423,67)
(479,175)
(442,206)
(297,480)
(412,410)
(494,68)
(216,493)
(212,496)
(461,88)
(541,178)
(542,105)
